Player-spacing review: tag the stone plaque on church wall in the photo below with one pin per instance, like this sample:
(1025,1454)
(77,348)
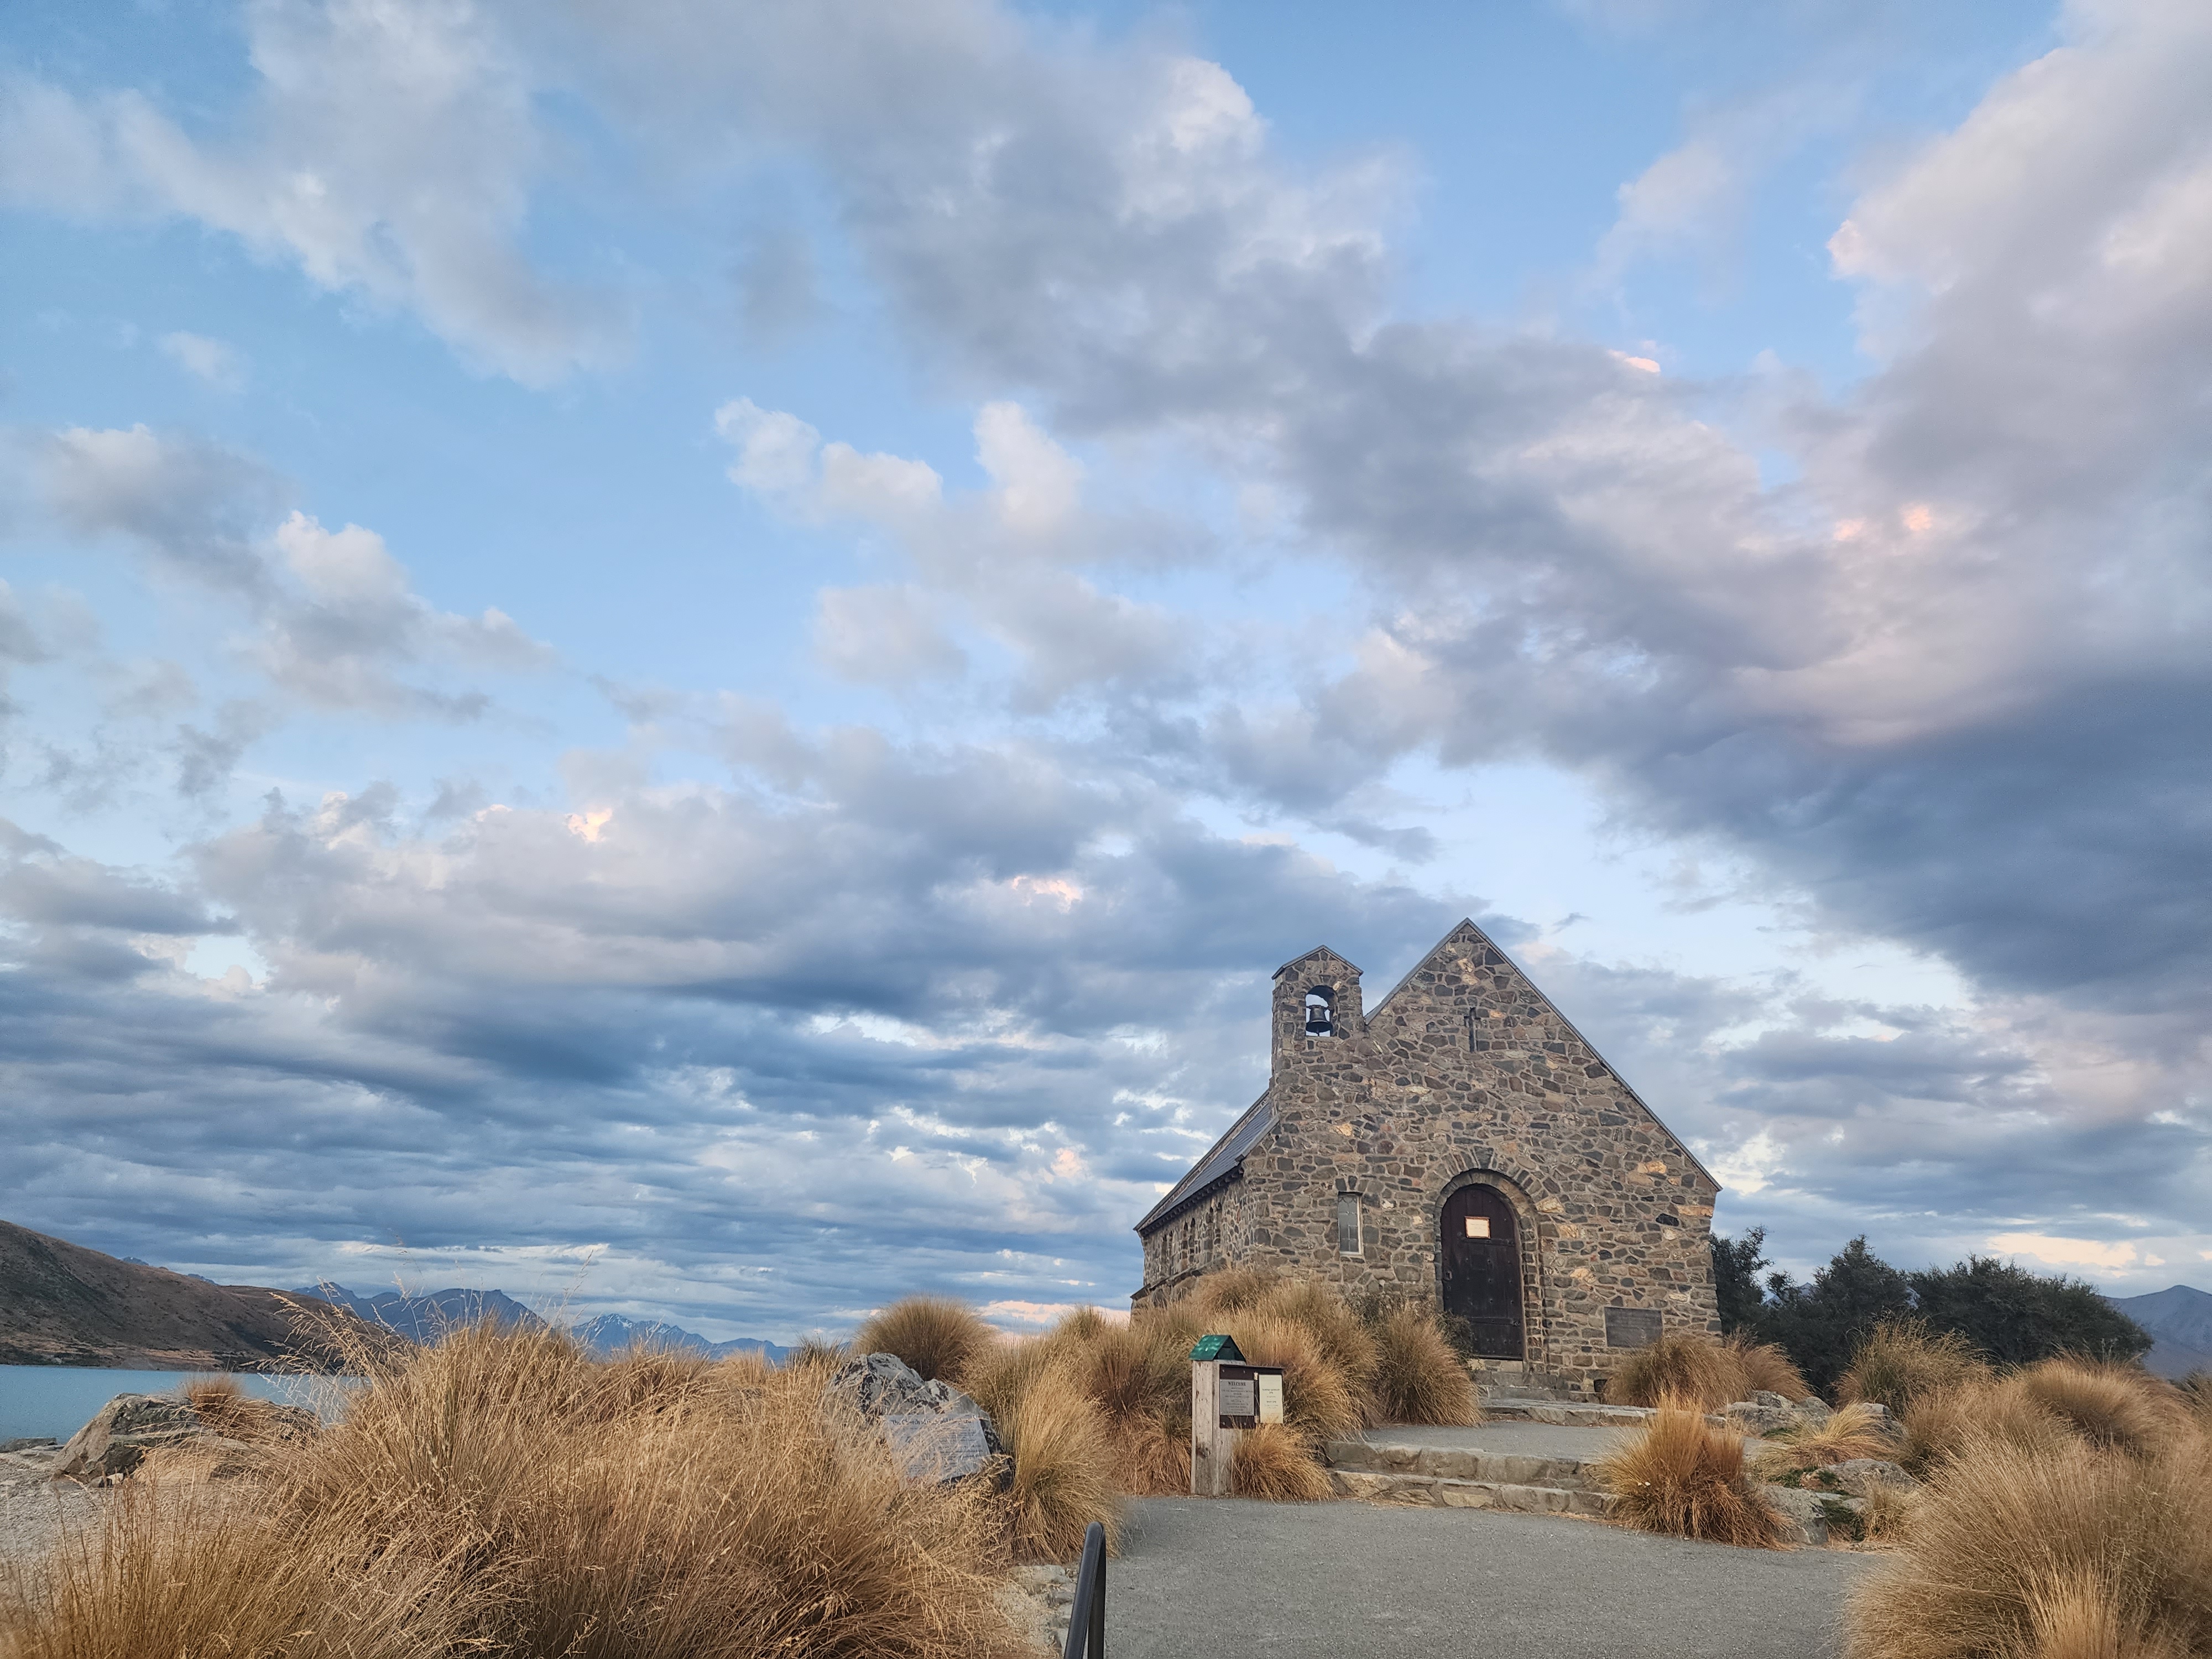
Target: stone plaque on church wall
(1630,1328)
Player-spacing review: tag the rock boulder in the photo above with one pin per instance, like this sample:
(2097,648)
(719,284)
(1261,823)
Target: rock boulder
(936,1433)
(122,1432)
(1859,1476)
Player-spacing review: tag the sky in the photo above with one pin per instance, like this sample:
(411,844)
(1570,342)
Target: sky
(695,659)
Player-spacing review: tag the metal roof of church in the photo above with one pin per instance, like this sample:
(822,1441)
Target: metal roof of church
(1227,1153)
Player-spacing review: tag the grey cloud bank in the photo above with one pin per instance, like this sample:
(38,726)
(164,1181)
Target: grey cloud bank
(834,1010)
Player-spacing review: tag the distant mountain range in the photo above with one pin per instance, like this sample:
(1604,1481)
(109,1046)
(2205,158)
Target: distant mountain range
(425,1317)
(62,1304)
(2179,1319)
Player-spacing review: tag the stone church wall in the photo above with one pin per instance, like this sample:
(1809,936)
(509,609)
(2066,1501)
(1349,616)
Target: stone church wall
(1467,1073)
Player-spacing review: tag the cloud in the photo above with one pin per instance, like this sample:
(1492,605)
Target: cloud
(215,361)
(388,149)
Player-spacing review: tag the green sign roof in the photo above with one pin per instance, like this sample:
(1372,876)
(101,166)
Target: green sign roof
(1217,1347)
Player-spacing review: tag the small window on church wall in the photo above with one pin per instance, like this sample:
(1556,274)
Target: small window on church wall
(1320,1008)
(1477,1226)
(1348,1223)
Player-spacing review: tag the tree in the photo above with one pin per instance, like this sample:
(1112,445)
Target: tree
(1818,1324)
(2017,1317)
(1736,1264)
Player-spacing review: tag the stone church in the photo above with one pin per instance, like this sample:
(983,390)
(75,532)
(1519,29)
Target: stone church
(1461,1145)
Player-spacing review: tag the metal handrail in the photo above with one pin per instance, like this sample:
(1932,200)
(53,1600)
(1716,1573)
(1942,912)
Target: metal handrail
(1087,1619)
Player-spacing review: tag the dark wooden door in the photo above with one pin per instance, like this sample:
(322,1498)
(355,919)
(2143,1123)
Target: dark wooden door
(1482,1269)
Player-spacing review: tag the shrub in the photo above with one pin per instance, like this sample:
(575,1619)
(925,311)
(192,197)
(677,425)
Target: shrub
(1690,1370)
(1680,1475)
(2111,1405)
(1274,1463)
(1763,1367)
(1418,1377)
(936,1335)
(1064,1466)
(1850,1432)
(2039,1553)
(2016,1317)
(1901,1359)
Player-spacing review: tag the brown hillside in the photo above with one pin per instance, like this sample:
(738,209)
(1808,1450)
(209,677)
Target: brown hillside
(62,1305)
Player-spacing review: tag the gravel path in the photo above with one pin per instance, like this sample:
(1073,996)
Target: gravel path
(1222,1579)
(34,1509)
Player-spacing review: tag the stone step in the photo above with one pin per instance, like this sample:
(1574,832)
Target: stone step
(1463,1464)
(1565,1416)
(1437,1492)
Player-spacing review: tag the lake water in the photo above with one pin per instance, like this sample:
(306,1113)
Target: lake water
(59,1400)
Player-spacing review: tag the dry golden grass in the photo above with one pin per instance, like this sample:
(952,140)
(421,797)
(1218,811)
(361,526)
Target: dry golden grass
(1939,1424)
(815,1354)
(1065,1462)
(1417,1378)
(185,1569)
(1139,1379)
(1762,1367)
(1273,1462)
(1679,1474)
(2196,1392)
(1901,1359)
(502,1493)
(2062,1552)
(1693,1370)
(1233,1290)
(1888,1513)
(1342,1337)
(1319,1402)
(2122,1406)
(936,1335)
(1849,1432)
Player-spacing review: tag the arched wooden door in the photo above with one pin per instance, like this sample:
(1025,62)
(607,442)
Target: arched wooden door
(1481,1257)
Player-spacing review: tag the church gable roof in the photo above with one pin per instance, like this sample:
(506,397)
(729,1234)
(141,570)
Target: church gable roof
(1224,1157)
(1320,955)
(1467,933)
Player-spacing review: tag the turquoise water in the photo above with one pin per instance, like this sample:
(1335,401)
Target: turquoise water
(58,1400)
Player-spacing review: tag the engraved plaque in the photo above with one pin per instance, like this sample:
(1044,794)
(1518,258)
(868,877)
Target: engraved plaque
(1239,1397)
(1271,1397)
(1477,1226)
(1630,1328)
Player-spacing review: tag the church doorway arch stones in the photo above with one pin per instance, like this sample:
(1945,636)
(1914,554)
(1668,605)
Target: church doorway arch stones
(1503,1197)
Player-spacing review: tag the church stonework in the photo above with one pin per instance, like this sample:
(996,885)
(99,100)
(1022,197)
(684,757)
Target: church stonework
(1462,1146)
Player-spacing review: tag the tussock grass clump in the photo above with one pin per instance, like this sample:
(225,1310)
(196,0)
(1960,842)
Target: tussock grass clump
(1686,1371)
(2196,1392)
(1848,1433)
(2121,1406)
(1762,1367)
(936,1335)
(503,1494)
(1343,1339)
(2063,1551)
(1418,1378)
(1138,1376)
(1232,1290)
(1065,1464)
(1319,1403)
(1679,1474)
(1271,1463)
(187,1570)
(1901,1359)
(1939,1424)
(813,1353)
